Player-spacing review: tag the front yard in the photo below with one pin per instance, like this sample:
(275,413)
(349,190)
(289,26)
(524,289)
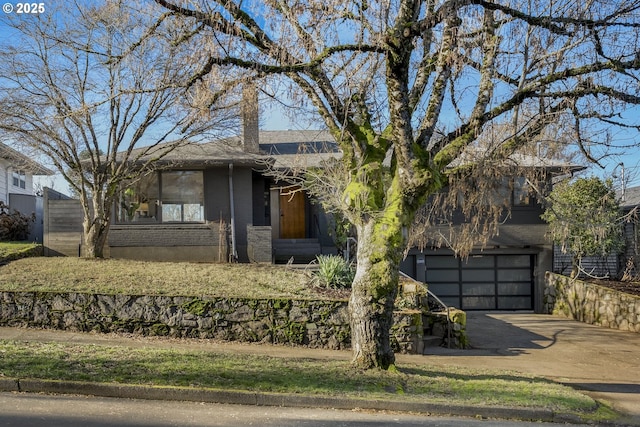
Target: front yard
(185,367)
(113,276)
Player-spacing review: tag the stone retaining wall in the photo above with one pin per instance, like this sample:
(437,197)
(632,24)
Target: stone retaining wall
(590,303)
(316,324)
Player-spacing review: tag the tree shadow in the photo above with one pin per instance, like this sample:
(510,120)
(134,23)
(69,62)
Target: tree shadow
(489,336)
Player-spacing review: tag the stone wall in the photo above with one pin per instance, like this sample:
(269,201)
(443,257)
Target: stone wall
(590,303)
(315,324)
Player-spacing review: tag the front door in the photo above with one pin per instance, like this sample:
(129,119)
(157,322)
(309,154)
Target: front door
(292,215)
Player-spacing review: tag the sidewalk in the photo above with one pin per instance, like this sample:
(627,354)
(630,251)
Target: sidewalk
(603,361)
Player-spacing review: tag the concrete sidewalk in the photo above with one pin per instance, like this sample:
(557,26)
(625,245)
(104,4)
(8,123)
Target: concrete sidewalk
(602,361)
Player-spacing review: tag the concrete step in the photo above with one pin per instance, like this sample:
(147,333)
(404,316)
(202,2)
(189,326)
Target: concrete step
(431,341)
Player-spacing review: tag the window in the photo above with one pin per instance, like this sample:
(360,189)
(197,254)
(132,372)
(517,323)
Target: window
(522,195)
(19,179)
(182,196)
(173,196)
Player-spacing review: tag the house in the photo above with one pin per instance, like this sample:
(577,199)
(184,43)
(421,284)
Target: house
(16,185)
(507,272)
(630,203)
(213,202)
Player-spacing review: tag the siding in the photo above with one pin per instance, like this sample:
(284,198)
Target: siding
(6,182)
(593,266)
(4,191)
(62,227)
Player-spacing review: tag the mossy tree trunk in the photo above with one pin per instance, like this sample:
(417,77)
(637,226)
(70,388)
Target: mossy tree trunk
(385,213)
(372,297)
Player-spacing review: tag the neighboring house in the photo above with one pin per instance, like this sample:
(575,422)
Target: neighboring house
(16,185)
(630,202)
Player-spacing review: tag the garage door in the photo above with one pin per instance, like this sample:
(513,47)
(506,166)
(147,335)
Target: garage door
(486,282)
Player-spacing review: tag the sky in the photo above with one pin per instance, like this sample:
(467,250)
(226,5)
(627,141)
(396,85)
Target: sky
(615,167)
(273,118)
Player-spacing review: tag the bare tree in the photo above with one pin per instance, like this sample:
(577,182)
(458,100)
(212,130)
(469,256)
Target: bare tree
(99,89)
(408,86)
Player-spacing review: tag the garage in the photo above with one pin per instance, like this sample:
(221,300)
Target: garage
(482,282)
(479,282)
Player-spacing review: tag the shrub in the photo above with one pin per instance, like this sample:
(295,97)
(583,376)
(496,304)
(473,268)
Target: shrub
(13,225)
(334,272)
(584,219)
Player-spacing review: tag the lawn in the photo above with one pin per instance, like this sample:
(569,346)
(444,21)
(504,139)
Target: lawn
(15,250)
(113,276)
(154,366)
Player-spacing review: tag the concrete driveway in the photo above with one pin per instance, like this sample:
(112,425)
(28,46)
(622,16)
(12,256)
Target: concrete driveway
(605,362)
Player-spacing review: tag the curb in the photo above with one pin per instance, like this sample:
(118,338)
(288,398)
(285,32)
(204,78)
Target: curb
(275,399)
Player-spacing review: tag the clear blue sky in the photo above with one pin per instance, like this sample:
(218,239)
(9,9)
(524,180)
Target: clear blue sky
(274,119)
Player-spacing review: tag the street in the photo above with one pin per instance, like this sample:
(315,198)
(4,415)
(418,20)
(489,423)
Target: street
(39,410)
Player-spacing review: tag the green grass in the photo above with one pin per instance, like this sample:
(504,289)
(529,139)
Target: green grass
(113,276)
(15,250)
(259,373)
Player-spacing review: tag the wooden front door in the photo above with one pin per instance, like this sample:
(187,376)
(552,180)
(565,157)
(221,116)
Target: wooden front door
(292,215)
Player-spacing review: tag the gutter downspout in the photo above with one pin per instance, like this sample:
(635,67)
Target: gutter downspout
(8,176)
(233,256)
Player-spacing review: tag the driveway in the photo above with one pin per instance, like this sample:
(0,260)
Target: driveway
(605,362)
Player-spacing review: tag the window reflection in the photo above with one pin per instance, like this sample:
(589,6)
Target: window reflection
(182,196)
(173,196)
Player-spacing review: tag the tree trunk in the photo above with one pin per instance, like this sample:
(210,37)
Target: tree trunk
(95,238)
(373,294)
(95,227)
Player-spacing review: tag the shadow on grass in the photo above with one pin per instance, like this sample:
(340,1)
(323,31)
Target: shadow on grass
(165,367)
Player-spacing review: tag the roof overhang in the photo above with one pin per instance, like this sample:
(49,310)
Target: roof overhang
(23,162)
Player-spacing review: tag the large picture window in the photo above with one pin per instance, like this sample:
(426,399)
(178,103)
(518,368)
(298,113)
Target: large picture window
(182,196)
(164,197)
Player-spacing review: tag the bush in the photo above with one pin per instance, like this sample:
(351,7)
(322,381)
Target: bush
(334,272)
(13,225)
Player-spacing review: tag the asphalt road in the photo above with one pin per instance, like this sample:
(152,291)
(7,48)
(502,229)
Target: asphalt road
(33,410)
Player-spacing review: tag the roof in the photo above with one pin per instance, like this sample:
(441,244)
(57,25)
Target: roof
(22,161)
(218,152)
(288,149)
(631,197)
(522,161)
(298,148)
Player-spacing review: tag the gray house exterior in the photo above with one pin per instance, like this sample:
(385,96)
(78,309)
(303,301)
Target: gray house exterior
(508,271)
(218,202)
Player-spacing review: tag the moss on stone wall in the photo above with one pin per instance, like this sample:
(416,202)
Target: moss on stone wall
(313,323)
(591,303)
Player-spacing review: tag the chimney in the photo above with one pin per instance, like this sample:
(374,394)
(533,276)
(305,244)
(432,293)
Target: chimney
(249,115)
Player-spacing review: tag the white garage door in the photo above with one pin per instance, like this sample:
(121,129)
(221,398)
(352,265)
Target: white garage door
(485,282)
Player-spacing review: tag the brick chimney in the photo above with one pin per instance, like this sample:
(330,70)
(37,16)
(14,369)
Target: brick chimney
(249,115)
